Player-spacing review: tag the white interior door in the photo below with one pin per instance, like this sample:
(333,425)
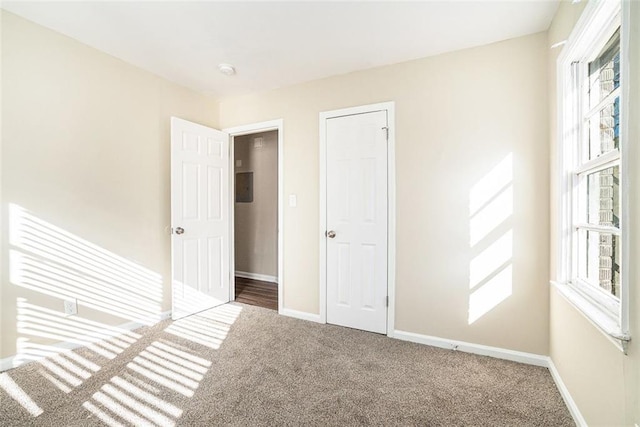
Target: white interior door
(357,221)
(199,217)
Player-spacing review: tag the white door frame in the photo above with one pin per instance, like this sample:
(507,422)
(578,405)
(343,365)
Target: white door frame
(389,107)
(247,130)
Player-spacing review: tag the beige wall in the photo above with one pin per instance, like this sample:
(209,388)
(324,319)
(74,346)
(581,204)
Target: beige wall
(604,383)
(458,116)
(256,223)
(86,153)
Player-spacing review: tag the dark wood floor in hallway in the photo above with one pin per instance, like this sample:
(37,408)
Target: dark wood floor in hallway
(257,292)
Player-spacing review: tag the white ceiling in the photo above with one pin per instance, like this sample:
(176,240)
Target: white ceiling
(275,44)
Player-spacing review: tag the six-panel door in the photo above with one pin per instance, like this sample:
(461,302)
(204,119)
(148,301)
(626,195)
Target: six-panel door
(199,217)
(357,213)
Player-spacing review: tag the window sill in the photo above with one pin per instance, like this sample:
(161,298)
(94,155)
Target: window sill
(602,319)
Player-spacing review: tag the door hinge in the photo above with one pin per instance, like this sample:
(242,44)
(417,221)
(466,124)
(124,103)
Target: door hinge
(386,130)
(387,301)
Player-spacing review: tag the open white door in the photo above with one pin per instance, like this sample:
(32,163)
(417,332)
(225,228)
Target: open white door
(199,217)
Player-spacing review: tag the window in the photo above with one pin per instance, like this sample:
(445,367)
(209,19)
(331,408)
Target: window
(596,174)
(592,141)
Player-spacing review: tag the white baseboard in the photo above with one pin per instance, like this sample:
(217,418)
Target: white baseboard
(483,350)
(13,362)
(256,276)
(301,315)
(566,396)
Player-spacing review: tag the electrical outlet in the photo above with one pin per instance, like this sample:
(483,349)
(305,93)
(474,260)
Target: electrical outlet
(70,307)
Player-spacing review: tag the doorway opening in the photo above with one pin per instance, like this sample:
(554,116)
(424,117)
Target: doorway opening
(255,165)
(256,212)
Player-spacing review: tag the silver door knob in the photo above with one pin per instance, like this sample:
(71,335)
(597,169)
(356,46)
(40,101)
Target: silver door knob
(179,230)
(331,234)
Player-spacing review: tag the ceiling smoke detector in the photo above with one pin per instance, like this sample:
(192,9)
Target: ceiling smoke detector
(227,69)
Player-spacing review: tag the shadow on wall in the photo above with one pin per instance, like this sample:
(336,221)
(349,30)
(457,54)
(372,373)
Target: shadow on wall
(53,262)
(491,240)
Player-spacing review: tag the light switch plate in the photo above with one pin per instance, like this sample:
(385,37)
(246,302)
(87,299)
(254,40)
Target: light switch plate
(293,200)
(239,163)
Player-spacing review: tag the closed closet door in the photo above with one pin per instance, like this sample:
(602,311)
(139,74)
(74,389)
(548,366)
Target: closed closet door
(357,221)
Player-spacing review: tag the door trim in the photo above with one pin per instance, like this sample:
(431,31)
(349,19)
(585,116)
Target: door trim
(389,107)
(246,130)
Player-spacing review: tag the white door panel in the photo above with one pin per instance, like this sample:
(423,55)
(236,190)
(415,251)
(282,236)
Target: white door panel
(357,213)
(200,207)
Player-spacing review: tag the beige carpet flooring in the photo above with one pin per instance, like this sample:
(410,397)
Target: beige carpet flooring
(244,365)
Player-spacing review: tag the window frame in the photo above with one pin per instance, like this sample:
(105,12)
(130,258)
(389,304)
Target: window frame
(597,24)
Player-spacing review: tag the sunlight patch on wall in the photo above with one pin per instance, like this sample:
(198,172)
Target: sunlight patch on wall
(491,259)
(489,295)
(490,271)
(491,215)
(34,321)
(491,201)
(491,184)
(63,368)
(52,261)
